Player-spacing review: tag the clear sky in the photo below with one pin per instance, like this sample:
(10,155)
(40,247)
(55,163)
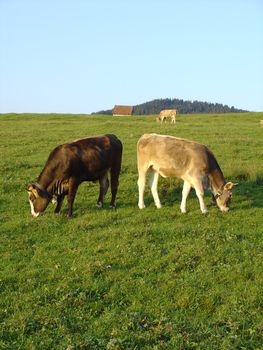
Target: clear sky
(81,56)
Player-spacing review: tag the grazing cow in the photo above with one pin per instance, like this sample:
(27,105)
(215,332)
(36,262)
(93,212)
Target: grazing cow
(68,165)
(194,163)
(165,114)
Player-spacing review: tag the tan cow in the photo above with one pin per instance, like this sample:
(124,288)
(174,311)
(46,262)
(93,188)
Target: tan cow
(194,163)
(167,114)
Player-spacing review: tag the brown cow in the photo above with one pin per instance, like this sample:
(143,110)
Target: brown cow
(194,163)
(68,165)
(165,114)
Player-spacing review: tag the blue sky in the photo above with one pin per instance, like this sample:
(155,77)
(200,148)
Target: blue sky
(81,56)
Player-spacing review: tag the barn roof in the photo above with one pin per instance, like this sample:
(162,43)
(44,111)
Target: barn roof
(122,110)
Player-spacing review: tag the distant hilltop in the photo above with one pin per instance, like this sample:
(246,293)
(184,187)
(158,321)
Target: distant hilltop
(182,107)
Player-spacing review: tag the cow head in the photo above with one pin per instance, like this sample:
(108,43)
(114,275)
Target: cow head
(223,198)
(38,199)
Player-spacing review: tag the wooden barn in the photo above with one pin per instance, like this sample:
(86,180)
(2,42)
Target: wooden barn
(122,110)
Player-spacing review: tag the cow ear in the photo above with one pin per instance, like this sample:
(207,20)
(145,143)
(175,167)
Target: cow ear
(228,186)
(31,188)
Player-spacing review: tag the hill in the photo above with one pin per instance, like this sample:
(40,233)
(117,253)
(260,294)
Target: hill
(183,107)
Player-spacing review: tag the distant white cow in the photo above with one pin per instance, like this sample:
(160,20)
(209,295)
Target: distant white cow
(194,163)
(167,114)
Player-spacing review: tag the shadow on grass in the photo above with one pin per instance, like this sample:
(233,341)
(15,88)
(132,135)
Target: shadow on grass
(252,191)
(247,190)
(244,191)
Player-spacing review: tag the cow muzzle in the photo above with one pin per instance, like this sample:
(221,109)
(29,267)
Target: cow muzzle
(225,209)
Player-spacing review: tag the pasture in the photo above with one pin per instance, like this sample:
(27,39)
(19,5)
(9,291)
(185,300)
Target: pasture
(130,278)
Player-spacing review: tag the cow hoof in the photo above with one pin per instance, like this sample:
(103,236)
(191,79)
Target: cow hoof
(112,206)
(183,211)
(205,211)
(141,206)
(99,205)
(159,206)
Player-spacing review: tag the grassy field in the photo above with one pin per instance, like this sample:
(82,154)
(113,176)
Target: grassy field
(130,278)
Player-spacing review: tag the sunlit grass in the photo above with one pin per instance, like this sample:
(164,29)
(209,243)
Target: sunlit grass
(130,278)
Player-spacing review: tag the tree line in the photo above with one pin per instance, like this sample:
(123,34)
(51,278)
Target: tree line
(182,107)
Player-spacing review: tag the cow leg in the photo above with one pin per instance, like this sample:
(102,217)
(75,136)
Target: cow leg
(153,184)
(73,186)
(60,199)
(200,195)
(104,185)
(185,193)
(141,188)
(114,181)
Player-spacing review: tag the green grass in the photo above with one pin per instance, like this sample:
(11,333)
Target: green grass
(130,278)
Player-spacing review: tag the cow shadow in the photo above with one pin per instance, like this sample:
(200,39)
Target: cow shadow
(247,194)
(249,191)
